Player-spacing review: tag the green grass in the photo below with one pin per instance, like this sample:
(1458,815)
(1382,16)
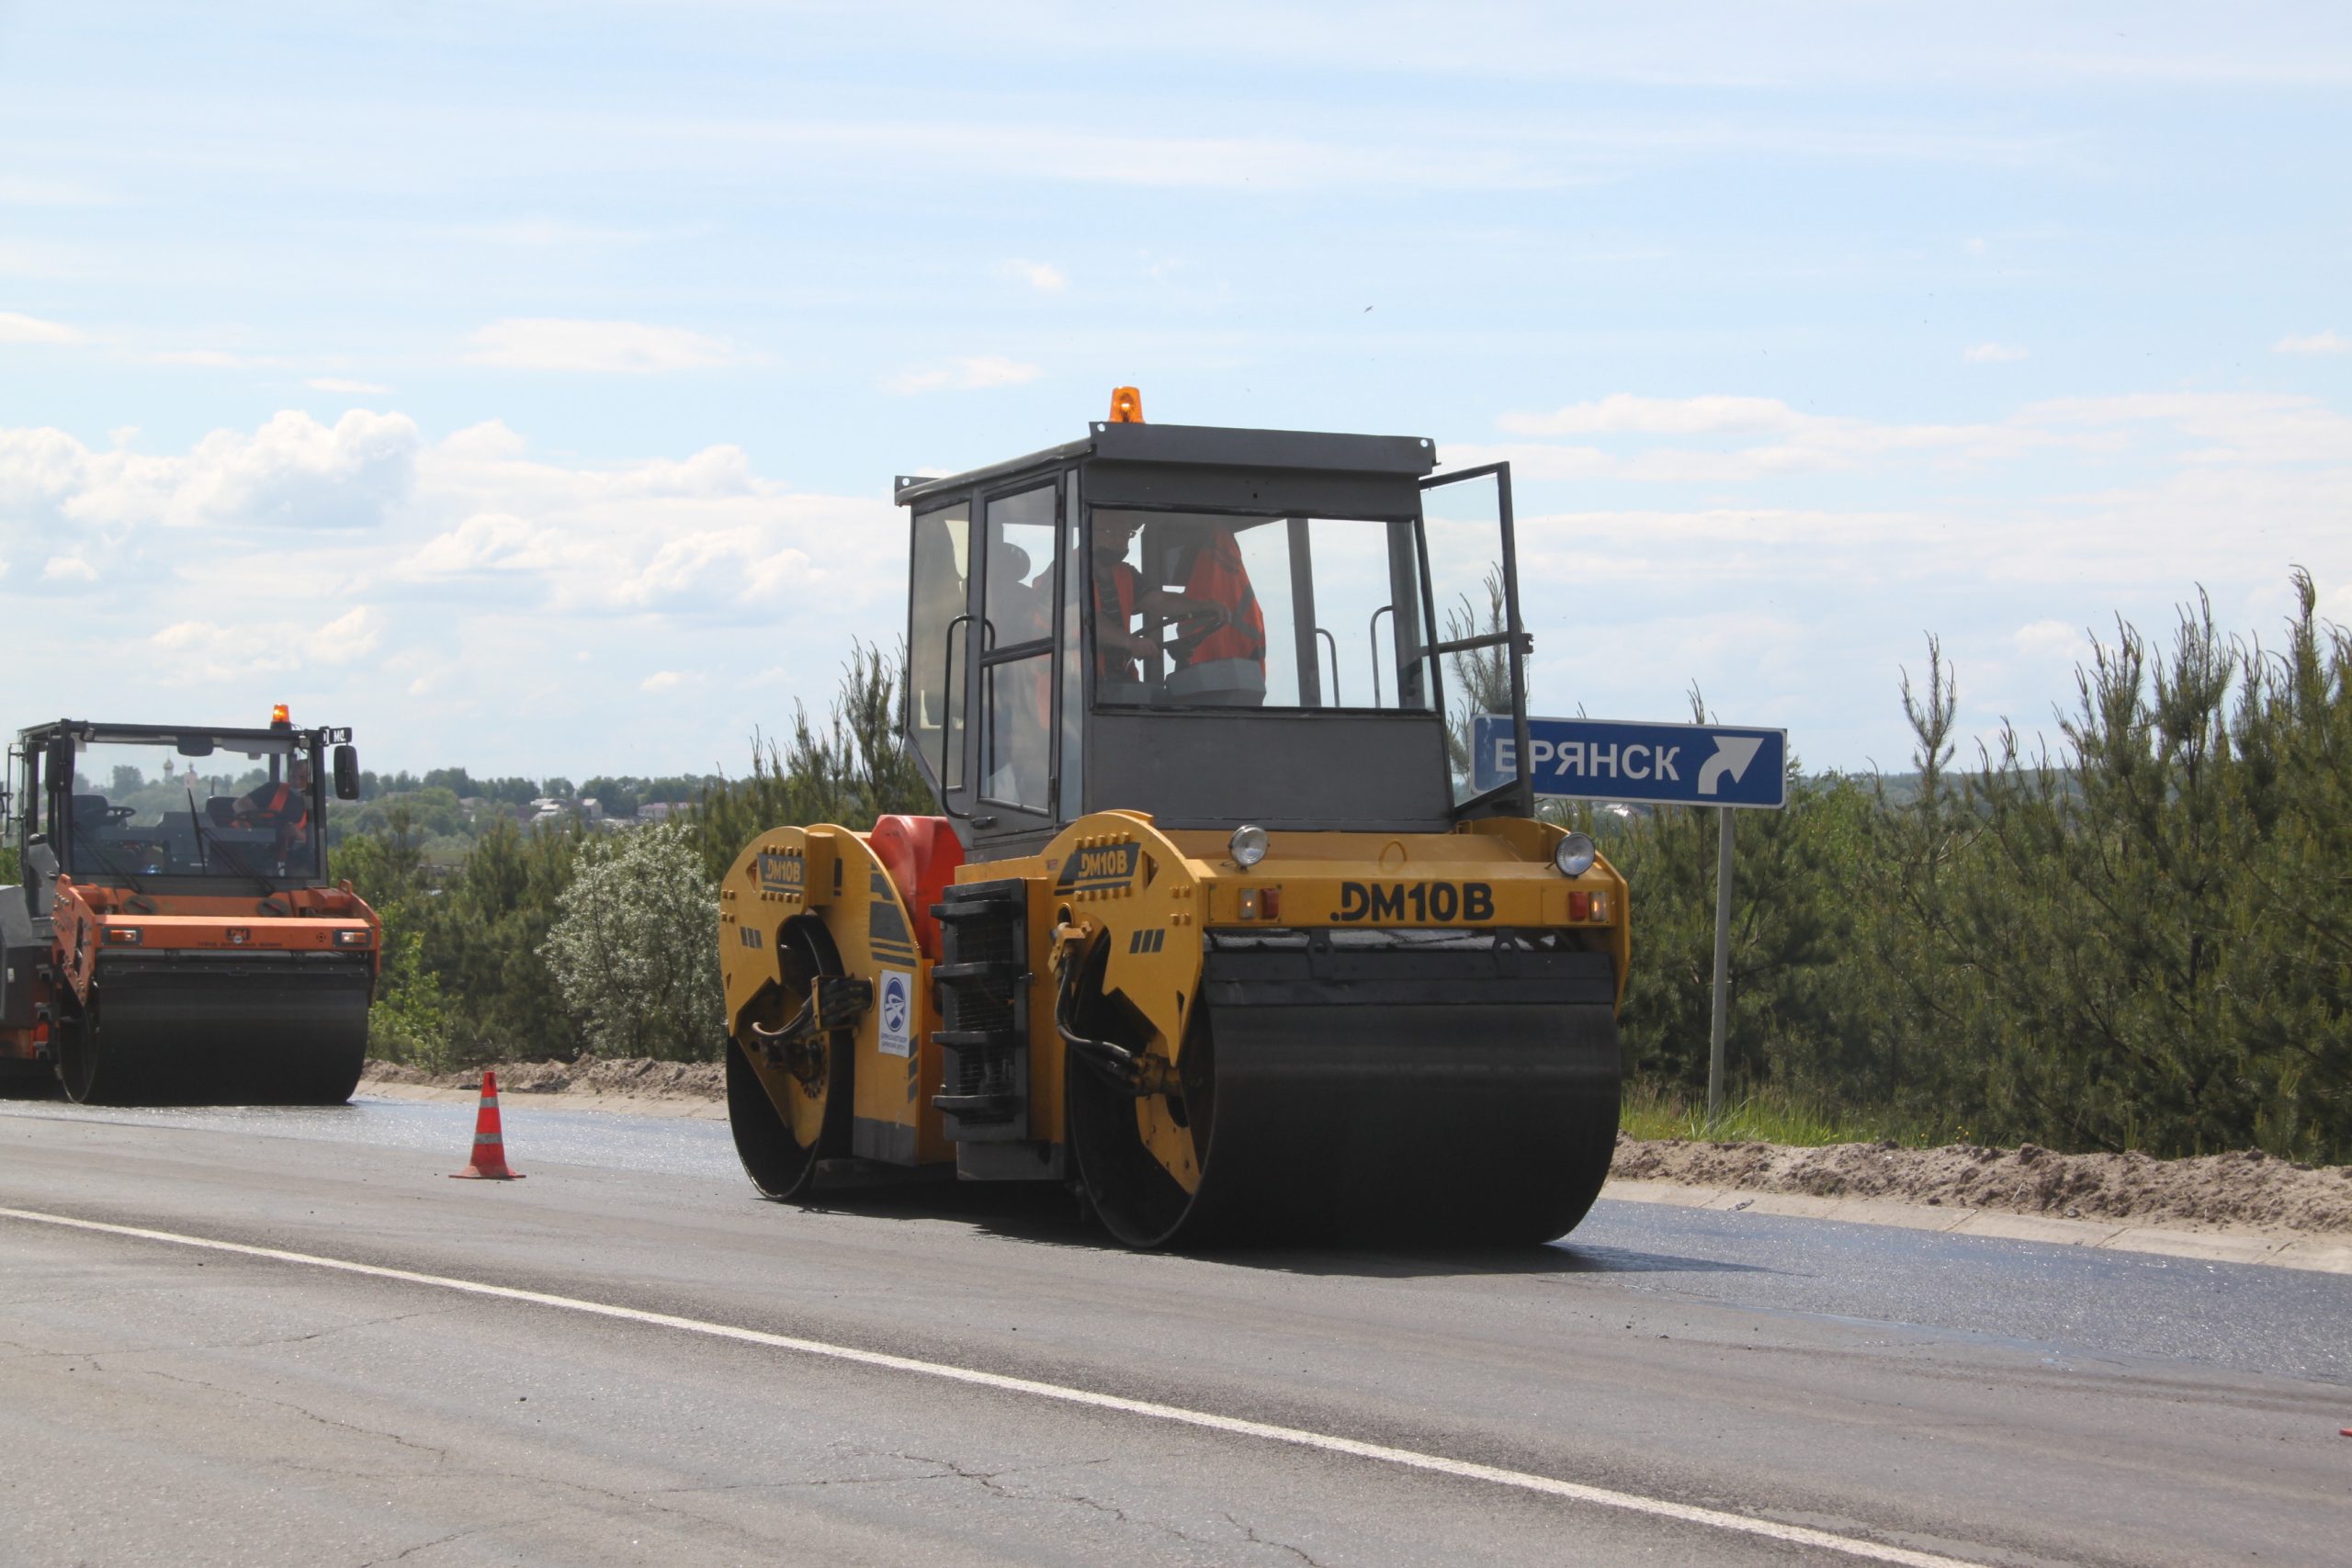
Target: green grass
(1769,1116)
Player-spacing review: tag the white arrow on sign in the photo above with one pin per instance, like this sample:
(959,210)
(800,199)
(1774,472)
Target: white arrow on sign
(1733,753)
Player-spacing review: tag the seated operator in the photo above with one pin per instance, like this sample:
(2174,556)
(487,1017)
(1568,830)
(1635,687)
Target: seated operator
(284,807)
(1120,595)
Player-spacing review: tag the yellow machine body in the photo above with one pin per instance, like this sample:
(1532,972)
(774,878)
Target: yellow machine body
(1145,902)
(1225,919)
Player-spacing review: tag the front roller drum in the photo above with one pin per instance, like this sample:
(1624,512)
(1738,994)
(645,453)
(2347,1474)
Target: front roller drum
(228,1032)
(1408,1111)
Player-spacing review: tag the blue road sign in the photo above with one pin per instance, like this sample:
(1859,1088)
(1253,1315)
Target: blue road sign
(1668,764)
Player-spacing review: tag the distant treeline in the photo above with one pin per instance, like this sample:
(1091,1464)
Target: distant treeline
(447,810)
(2139,937)
(619,796)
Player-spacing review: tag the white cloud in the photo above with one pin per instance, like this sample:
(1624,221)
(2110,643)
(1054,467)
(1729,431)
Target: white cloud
(49,193)
(1042,276)
(203,653)
(14,328)
(2051,642)
(2329,342)
(69,569)
(1994,353)
(487,542)
(543,342)
(2260,427)
(964,375)
(355,388)
(207,359)
(660,680)
(1770,438)
(292,472)
(1738,439)
(1621,413)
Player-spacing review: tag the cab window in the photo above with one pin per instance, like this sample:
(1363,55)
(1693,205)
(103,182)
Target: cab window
(1197,610)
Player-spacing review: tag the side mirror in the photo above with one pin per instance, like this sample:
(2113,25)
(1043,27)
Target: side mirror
(347,772)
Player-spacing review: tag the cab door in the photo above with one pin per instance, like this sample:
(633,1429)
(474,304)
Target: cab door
(1471,564)
(941,613)
(1020,618)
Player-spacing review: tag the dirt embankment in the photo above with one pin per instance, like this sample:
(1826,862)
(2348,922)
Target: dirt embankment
(638,1078)
(2247,1191)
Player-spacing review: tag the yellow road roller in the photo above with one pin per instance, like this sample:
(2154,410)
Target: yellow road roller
(1215,923)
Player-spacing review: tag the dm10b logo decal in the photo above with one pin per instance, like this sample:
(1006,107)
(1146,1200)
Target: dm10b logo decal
(1363,902)
(782,871)
(1102,868)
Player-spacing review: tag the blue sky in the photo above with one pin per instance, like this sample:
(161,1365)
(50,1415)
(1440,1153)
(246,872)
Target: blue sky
(522,383)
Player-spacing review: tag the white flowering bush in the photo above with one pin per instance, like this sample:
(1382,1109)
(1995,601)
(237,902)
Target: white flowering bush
(634,949)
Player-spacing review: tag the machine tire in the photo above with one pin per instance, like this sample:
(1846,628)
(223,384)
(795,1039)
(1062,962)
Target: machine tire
(780,1166)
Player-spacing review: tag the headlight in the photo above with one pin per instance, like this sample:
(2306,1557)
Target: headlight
(1575,854)
(1248,845)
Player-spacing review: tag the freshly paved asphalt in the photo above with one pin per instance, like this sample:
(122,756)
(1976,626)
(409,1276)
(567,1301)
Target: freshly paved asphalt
(1997,1401)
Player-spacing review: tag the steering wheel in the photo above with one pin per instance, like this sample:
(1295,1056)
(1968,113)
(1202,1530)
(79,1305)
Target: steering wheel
(121,813)
(1194,627)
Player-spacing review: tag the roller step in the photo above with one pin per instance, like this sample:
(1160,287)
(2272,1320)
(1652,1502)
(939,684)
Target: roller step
(983,978)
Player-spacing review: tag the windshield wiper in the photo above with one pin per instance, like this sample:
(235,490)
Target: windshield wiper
(238,864)
(196,822)
(112,865)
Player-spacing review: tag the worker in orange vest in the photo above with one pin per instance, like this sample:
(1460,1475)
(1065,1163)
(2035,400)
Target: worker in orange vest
(1219,578)
(1120,595)
(284,805)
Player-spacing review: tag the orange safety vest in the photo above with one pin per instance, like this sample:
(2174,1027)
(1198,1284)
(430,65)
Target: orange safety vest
(1218,576)
(285,810)
(1111,663)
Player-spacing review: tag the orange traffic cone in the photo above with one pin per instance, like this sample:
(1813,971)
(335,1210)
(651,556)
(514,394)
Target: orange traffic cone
(490,1144)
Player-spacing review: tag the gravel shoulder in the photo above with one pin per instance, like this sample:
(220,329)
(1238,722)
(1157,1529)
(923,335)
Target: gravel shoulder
(2244,1206)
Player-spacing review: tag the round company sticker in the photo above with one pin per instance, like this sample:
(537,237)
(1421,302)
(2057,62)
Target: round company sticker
(897,1038)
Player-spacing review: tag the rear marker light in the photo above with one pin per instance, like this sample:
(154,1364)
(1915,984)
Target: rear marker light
(240,935)
(351,939)
(1249,903)
(125,936)
(1579,906)
(1270,903)
(1600,906)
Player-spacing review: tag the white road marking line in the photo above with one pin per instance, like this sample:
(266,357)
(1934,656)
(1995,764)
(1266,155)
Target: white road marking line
(1573,1491)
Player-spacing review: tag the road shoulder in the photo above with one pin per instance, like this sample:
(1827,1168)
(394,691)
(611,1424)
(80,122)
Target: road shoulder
(2327,1254)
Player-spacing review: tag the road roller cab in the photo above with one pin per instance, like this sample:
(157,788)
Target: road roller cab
(175,937)
(1226,937)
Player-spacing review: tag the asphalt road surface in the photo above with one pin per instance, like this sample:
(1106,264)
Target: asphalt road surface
(282,1336)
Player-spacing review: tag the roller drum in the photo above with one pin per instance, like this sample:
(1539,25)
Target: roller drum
(1454,1096)
(256,1029)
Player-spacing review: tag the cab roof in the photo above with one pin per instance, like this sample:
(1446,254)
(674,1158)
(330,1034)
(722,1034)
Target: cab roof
(1202,446)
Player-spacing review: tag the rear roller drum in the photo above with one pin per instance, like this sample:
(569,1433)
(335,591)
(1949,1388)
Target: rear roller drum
(781,1149)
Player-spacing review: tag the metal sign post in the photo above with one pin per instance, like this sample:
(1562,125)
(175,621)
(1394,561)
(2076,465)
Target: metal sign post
(1725,766)
(1721,1017)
